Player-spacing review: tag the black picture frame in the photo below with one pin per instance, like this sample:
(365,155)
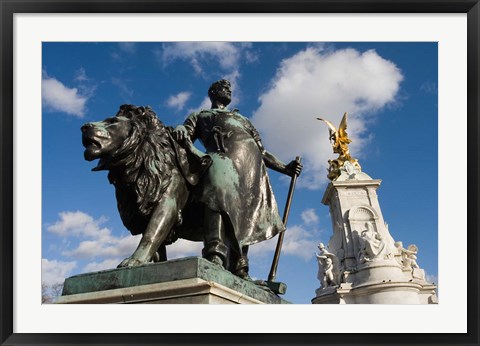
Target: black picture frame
(9,7)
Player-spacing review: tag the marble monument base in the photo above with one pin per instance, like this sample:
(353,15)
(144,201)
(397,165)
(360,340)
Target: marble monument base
(381,282)
(191,280)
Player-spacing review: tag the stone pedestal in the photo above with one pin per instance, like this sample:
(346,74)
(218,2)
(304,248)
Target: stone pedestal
(192,280)
(363,264)
(378,284)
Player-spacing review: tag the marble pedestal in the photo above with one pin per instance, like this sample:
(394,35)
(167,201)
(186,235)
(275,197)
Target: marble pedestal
(363,264)
(378,283)
(192,280)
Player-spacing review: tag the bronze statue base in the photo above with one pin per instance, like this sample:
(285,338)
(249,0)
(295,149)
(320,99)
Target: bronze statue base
(192,280)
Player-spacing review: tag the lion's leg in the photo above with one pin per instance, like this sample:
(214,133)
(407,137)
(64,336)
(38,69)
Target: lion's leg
(161,254)
(162,220)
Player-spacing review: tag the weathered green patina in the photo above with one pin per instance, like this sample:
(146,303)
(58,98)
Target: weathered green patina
(152,176)
(181,269)
(239,207)
(237,184)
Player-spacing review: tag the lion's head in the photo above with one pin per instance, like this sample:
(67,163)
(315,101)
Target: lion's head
(105,139)
(134,147)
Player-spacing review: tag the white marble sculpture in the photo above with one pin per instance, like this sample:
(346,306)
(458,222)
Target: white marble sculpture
(372,246)
(408,260)
(408,256)
(328,267)
(363,263)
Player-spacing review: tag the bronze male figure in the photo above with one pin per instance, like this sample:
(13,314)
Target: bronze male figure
(235,192)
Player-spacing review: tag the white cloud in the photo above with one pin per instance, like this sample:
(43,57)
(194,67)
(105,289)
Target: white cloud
(226,57)
(226,54)
(233,77)
(205,104)
(118,249)
(58,97)
(321,46)
(86,84)
(300,240)
(105,247)
(179,100)
(310,217)
(264,248)
(95,241)
(78,223)
(114,250)
(323,83)
(106,251)
(103,250)
(183,248)
(54,272)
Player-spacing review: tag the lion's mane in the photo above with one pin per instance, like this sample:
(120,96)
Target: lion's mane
(141,170)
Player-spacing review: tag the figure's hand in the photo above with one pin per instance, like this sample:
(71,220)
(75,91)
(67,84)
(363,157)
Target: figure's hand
(180,134)
(294,168)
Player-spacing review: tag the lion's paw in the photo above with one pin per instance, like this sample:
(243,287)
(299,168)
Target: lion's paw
(130,262)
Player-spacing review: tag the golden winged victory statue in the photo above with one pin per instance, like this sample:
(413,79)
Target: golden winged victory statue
(340,141)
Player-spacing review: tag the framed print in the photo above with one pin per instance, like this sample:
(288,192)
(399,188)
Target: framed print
(405,72)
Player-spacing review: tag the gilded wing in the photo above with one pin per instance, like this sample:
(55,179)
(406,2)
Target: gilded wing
(342,129)
(339,140)
(332,130)
(330,125)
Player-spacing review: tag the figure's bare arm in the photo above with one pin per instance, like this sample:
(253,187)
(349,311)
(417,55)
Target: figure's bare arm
(272,162)
(187,130)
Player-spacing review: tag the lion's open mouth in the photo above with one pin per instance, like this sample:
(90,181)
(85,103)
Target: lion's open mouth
(92,148)
(89,142)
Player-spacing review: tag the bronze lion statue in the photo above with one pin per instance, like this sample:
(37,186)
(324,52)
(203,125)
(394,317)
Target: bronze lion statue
(153,177)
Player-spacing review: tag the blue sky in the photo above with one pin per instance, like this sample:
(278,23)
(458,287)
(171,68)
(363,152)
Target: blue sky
(388,89)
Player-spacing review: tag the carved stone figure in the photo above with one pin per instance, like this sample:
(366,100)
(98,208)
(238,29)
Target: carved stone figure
(237,199)
(408,259)
(323,252)
(372,246)
(328,278)
(409,256)
(328,267)
(151,173)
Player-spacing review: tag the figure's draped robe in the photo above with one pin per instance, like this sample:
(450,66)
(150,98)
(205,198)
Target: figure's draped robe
(236,184)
